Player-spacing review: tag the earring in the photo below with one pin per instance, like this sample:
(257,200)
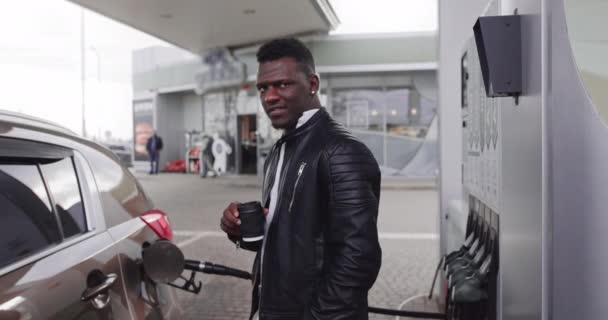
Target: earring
(312,93)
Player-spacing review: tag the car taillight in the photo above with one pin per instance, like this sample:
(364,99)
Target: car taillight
(159,223)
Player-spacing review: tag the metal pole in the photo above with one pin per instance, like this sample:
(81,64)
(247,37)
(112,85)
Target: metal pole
(82,72)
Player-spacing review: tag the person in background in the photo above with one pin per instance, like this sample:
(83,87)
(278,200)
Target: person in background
(154,146)
(320,254)
(207,169)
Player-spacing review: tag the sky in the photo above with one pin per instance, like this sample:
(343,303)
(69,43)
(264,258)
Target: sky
(40,66)
(40,57)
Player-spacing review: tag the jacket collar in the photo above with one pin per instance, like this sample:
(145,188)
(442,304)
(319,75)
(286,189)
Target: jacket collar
(306,127)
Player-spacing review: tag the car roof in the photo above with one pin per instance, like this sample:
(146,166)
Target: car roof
(41,125)
(23,119)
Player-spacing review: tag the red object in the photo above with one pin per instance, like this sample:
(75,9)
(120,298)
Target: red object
(178,165)
(194,152)
(157,221)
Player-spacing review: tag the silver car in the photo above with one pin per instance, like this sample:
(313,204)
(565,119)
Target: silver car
(74,223)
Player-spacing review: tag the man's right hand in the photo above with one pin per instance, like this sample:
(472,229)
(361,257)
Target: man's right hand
(230,221)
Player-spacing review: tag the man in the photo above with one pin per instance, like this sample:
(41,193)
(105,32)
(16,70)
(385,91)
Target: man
(154,145)
(208,159)
(320,254)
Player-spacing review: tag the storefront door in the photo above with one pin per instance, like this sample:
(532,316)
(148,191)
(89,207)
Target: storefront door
(247,155)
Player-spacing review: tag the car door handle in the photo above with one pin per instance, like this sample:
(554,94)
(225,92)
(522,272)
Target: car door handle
(97,294)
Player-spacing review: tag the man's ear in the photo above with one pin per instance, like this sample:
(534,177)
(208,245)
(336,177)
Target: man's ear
(314,83)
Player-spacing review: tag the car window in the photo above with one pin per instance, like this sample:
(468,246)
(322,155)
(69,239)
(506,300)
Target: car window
(61,180)
(28,224)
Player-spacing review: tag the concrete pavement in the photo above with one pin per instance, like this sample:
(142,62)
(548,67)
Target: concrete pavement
(407,224)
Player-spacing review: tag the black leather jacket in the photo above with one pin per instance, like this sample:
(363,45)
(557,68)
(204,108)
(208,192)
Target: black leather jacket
(321,254)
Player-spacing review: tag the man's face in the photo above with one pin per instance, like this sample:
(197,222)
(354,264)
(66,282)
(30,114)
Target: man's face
(285,91)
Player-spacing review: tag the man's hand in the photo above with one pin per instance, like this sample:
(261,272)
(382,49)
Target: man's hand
(230,221)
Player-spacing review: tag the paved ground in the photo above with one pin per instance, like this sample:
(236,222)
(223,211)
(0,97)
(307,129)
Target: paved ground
(407,226)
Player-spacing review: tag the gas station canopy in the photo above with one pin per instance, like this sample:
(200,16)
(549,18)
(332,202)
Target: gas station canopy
(198,25)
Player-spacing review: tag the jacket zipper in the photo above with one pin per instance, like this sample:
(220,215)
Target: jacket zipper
(300,171)
(293,195)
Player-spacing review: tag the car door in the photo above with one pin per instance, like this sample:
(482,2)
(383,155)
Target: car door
(126,207)
(56,259)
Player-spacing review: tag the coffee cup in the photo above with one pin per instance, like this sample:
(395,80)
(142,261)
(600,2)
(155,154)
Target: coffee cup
(252,221)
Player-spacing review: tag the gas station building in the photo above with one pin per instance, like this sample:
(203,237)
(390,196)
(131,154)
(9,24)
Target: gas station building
(383,88)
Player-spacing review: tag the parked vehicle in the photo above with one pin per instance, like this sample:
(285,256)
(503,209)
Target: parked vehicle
(74,224)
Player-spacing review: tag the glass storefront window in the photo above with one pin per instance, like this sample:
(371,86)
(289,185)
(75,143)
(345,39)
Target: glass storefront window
(408,113)
(392,122)
(428,108)
(359,109)
(400,117)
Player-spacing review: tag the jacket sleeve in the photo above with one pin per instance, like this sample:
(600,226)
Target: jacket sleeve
(238,241)
(353,254)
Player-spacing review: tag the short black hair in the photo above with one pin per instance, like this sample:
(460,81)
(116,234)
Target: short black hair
(287,48)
